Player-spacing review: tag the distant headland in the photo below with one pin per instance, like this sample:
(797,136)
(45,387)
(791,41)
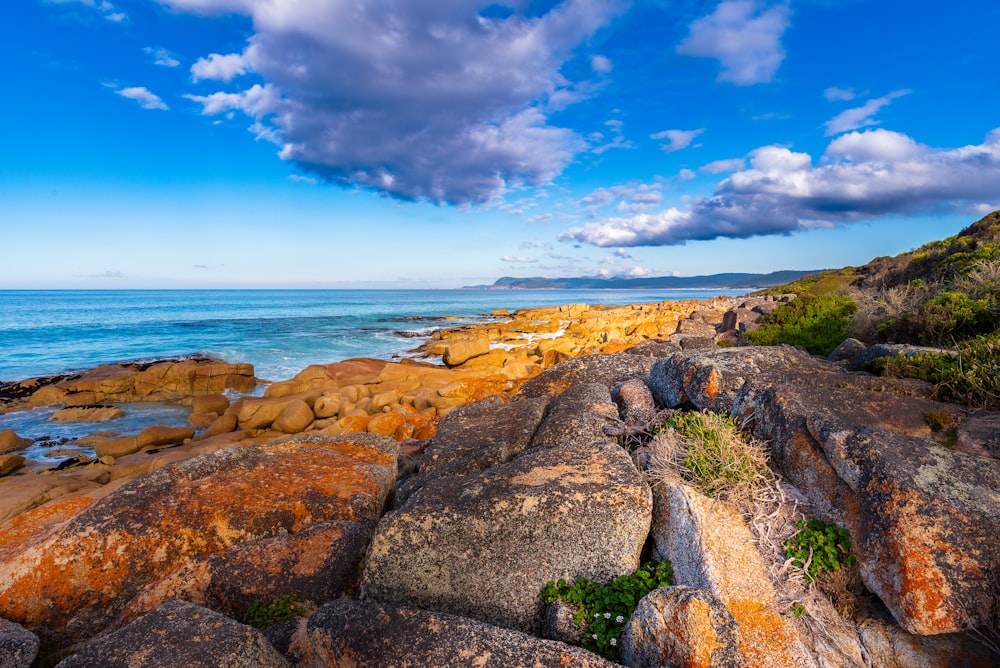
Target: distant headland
(729,281)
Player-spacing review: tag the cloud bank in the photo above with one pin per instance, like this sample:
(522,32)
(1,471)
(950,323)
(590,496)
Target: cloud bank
(438,101)
(861,175)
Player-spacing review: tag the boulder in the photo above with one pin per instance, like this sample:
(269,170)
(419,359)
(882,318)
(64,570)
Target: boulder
(195,508)
(10,463)
(261,413)
(18,646)
(19,494)
(683,628)
(159,436)
(922,515)
(296,416)
(180,634)
(201,420)
(607,370)
(459,352)
(583,414)
(385,423)
(635,401)
(221,425)
(98,413)
(847,352)
(880,350)
(210,403)
(10,442)
(484,544)
(117,447)
(314,565)
(366,633)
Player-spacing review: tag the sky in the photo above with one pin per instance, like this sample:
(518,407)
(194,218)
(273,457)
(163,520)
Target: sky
(409,143)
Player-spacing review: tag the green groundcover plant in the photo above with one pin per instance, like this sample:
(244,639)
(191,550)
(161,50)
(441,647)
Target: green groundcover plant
(819,547)
(603,610)
(817,323)
(261,614)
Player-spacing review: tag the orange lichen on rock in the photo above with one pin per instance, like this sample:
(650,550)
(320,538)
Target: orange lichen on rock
(766,639)
(33,522)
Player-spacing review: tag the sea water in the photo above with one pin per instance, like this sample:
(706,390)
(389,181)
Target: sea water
(280,332)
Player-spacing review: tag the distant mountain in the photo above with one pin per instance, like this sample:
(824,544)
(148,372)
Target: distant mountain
(729,281)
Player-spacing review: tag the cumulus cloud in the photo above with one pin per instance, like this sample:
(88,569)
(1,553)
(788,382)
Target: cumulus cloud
(145,98)
(437,101)
(600,64)
(720,166)
(859,117)
(744,36)
(676,139)
(686,175)
(219,67)
(861,175)
(161,56)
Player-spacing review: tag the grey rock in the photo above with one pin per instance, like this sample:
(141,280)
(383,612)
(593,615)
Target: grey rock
(654,348)
(180,634)
(369,634)
(484,544)
(880,350)
(847,352)
(634,400)
(607,370)
(18,646)
(683,628)
(582,414)
(560,625)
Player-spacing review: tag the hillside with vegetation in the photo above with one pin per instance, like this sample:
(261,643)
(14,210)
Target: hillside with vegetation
(945,294)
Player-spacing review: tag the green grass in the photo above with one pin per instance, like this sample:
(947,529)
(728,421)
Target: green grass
(819,547)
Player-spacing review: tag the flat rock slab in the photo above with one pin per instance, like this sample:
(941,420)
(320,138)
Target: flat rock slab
(483,545)
(365,634)
(180,634)
(607,370)
(206,505)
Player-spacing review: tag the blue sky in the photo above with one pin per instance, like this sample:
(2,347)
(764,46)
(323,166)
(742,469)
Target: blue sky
(395,143)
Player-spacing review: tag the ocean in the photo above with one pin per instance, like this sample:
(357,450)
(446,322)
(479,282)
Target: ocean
(280,332)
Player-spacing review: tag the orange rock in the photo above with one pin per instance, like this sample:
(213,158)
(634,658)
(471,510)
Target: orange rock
(151,526)
(202,420)
(10,441)
(157,436)
(221,425)
(117,447)
(354,424)
(385,423)
(210,403)
(10,463)
(294,417)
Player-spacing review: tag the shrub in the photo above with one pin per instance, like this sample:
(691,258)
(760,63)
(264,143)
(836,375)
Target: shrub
(818,324)
(970,375)
(603,610)
(819,547)
(262,615)
(947,317)
(709,451)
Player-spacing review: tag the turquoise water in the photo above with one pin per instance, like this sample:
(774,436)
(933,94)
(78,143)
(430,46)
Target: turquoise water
(280,332)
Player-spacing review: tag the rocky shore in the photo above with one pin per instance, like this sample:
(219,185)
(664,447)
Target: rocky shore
(412,512)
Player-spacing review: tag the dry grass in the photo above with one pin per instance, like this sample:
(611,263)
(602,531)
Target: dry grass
(879,306)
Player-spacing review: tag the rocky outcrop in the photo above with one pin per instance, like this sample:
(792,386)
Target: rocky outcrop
(366,633)
(148,528)
(180,634)
(10,441)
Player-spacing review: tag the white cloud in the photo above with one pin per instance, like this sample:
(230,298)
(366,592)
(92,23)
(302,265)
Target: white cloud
(676,139)
(425,101)
(720,166)
(686,175)
(219,67)
(104,7)
(162,57)
(744,36)
(861,175)
(145,98)
(255,101)
(834,94)
(627,198)
(517,259)
(859,117)
(617,140)
(600,64)
(536,244)
(298,178)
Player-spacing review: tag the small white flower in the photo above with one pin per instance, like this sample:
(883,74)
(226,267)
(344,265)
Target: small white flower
(594,636)
(614,642)
(619,619)
(596,615)
(607,615)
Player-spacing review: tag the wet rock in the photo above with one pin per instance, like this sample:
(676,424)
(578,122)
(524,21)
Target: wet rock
(180,634)
(97,413)
(683,628)
(366,633)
